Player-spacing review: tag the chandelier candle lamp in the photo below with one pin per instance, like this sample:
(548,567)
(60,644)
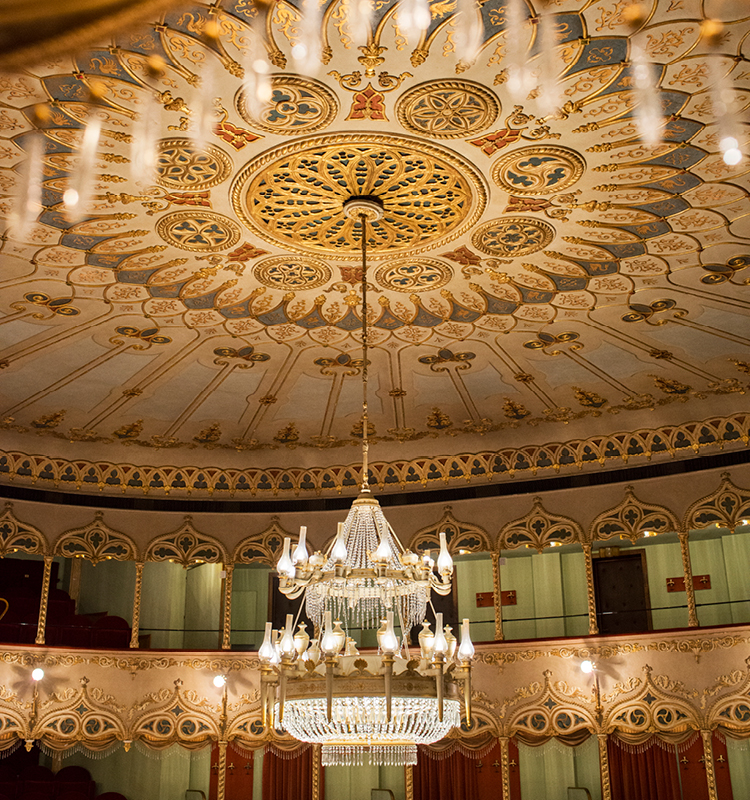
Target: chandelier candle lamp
(376,707)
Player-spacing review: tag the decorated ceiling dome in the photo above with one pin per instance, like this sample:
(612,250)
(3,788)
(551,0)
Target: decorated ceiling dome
(548,291)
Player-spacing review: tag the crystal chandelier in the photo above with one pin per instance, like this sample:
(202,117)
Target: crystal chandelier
(377,707)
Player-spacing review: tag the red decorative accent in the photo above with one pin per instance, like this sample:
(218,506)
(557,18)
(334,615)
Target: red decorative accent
(189,199)
(651,774)
(493,142)
(699,582)
(237,137)
(245,252)
(508,598)
(239,782)
(485,599)
(368,104)
(521,204)
(464,256)
(352,275)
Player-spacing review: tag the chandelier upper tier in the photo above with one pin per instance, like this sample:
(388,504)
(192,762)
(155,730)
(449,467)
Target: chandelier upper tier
(379,706)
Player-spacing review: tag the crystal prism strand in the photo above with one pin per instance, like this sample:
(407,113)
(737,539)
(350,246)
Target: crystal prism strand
(359,16)
(469,31)
(549,98)
(29,203)
(414,18)
(79,194)
(257,81)
(648,113)
(307,52)
(726,113)
(145,137)
(203,116)
(517,30)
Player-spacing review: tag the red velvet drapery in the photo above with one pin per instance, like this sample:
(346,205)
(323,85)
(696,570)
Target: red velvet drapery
(288,778)
(648,775)
(451,778)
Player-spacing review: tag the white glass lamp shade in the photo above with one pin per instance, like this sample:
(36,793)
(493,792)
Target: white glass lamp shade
(466,648)
(444,562)
(339,548)
(286,645)
(300,551)
(440,645)
(266,650)
(285,567)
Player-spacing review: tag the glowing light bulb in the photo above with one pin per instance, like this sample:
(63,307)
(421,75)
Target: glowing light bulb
(587,667)
(466,648)
(37,674)
(266,651)
(440,645)
(286,645)
(732,156)
(220,681)
(444,562)
(300,551)
(339,548)
(383,553)
(388,639)
(329,643)
(70,198)
(285,566)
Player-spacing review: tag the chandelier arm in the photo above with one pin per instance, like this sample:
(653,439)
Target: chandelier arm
(403,631)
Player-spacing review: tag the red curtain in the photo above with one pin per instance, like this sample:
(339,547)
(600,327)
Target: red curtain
(288,778)
(452,778)
(648,775)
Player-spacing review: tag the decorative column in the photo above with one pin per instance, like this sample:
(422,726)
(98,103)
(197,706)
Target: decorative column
(42,624)
(317,756)
(593,625)
(604,766)
(687,570)
(708,757)
(497,597)
(226,637)
(505,767)
(222,783)
(409,783)
(137,604)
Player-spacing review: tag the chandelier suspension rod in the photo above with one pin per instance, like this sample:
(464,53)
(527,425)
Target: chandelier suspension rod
(365,442)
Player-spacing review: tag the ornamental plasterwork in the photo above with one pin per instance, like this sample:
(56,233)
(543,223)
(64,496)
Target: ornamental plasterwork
(725,508)
(264,547)
(76,716)
(638,250)
(16,535)
(462,537)
(186,546)
(632,518)
(96,542)
(652,705)
(539,529)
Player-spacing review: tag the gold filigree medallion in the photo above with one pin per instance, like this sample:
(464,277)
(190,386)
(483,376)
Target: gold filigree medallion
(292,273)
(447,109)
(293,195)
(414,274)
(297,105)
(513,236)
(181,165)
(201,231)
(538,170)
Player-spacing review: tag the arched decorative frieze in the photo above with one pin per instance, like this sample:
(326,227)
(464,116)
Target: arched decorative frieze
(556,709)
(245,724)
(651,705)
(96,542)
(724,508)
(731,710)
(16,535)
(80,716)
(177,717)
(13,714)
(633,518)
(539,529)
(264,547)
(186,546)
(460,536)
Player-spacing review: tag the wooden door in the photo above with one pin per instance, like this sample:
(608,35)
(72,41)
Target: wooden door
(239,781)
(622,602)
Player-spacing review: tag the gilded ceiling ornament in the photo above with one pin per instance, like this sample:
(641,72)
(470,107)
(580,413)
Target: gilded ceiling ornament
(59,306)
(540,169)
(180,165)
(288,434)
(297,105)
(292,273)
(513,236)
(413,274)
(447,109)
(514,410)
(437,420)
(294,194)
(49,420)
(198,231)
